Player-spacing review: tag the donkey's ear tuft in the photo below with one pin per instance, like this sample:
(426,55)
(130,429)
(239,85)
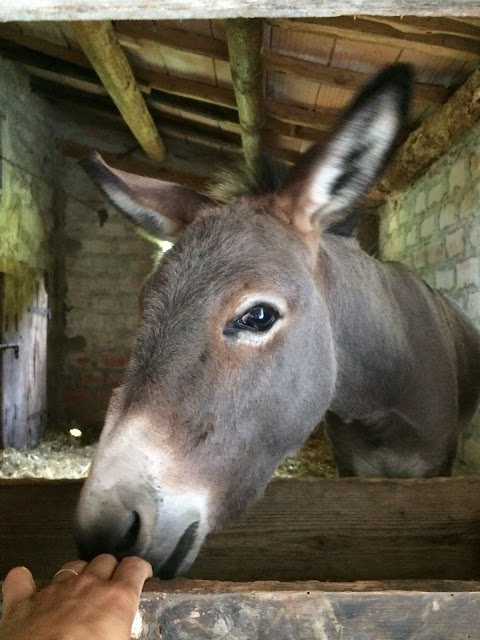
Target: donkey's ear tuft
(331,178)
(159,209)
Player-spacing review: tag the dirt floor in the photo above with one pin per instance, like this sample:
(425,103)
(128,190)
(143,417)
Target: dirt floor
(66,456)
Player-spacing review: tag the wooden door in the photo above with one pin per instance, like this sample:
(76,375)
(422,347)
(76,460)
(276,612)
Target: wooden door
(24,372)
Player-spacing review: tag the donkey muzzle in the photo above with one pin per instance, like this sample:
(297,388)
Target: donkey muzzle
(165,529)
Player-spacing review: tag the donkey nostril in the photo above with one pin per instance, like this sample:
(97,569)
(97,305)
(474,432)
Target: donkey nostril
(126,544)
(112,537)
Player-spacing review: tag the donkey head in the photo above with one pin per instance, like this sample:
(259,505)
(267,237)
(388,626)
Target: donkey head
(234,362)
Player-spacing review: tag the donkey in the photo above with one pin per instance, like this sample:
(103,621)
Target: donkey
(265,317)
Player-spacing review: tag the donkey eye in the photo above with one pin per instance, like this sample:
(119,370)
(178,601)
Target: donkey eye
(259,318)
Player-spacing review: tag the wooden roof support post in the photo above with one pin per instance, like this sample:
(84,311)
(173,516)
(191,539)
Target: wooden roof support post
(244,39)
(100,45)
(434,137)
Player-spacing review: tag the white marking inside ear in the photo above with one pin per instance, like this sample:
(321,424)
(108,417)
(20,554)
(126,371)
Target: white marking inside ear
(373,138)
(147,219)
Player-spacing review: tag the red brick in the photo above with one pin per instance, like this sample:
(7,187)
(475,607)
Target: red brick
(93,378)
(75,396)
(112,360)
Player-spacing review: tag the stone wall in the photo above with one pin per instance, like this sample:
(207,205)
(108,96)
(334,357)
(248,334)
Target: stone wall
(434,227)
(26,223)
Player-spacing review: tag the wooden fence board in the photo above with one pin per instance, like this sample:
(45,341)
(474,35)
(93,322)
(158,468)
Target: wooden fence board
(334,529)
(184,609)
(312,613)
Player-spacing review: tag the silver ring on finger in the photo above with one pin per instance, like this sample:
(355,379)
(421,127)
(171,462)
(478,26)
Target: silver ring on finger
(65,571)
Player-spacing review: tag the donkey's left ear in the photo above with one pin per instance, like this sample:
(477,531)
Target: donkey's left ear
(158,209)
(326,183)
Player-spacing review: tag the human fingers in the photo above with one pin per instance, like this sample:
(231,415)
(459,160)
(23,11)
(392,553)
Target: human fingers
(133,571)
(17,586)
(70,570)
(103,566)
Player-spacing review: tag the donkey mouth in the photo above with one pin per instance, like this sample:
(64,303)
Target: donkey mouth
(171,567)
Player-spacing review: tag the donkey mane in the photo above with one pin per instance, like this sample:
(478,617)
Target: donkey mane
(235,180)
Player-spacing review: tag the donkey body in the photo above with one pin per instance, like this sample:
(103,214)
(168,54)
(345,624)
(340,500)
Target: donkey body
(265,317)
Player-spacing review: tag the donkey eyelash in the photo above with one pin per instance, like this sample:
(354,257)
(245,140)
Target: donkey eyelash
(259,301)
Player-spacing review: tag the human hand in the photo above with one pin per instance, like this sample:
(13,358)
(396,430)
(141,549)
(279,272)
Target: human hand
(85,601)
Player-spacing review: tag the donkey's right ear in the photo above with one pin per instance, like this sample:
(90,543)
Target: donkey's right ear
(322,189)
(159,209)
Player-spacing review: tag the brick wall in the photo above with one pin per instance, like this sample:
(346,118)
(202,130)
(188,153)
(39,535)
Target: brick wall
(434,227)
(105,266)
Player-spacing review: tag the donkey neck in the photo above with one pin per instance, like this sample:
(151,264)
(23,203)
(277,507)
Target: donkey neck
(370,339)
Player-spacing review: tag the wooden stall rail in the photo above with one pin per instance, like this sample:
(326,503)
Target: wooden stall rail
(192,609)
(306,529)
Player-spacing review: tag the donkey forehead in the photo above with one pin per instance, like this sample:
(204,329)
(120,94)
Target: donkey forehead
(227,249)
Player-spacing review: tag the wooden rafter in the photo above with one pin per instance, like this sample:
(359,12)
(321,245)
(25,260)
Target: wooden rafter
(100,45)
(45,47)
(434,136)
(244,39)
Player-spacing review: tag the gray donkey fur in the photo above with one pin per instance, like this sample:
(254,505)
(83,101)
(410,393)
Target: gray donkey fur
(264,318)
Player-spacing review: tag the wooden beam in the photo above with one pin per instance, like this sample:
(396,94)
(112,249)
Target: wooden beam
(189,88)
(322,120)
(244,39)
(205,9)
(47,62)
(436,36)
(311,611)
(45,47)
(100,45)
(434,136)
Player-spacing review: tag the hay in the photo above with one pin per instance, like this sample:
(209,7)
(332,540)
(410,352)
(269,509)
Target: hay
(63,456)
(313,460)
(59,456)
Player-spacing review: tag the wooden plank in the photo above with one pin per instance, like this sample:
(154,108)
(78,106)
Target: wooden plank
(203,9)
(2,353)
(331,76)
(184,609)
(305,612)
(436,36)
(24,374)
(244,39)
(175,38)
(331,530)
(100,45)
(434,136)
